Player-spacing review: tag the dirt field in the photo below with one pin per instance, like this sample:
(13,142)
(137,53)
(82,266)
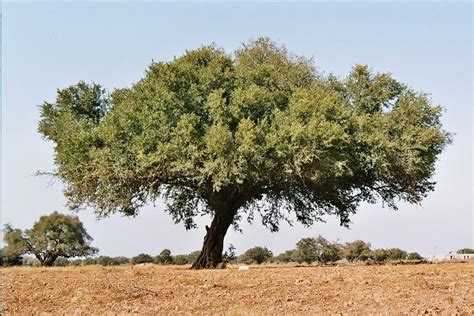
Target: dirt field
(433,288)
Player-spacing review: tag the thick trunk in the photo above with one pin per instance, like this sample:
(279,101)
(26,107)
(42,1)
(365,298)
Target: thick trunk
(211,253)
(48,261)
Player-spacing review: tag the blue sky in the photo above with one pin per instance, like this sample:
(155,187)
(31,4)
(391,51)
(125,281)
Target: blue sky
(50,45)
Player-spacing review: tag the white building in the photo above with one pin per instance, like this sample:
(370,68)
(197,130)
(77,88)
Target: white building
(453,257)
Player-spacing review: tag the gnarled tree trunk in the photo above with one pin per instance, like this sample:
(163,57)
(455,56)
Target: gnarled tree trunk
(48,260)
(211,253)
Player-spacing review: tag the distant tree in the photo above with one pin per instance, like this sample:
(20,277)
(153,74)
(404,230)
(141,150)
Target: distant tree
(379,255)
(396,254)
(61,262)
(258,130)
(117,261)
(112,261)
(284,257)
(104,260)
(192,257)
(306,251)
(10,257)
(229,254)
(465,250)
(356,250)
(76,263)
(164,257)
(89,261)
(256,255)
(317,249)
(52,236)
(180,259)
(366,255)
(142,258)
(328,251)
(414,256)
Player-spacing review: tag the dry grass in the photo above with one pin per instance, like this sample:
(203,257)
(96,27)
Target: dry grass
(433,288)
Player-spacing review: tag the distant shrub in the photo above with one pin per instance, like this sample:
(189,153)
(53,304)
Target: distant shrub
(76,263)
(328,251)
(414,256)
(180,259)
(255,255)
(104,261)
(9,257)
(356,250)
(142,258)
(379,255)
(465,251)
(164,257)
(117,261)
(306,251)
(89,261)
(30,262)
(284,257)
(396,254)
(61,262)
(112,261)
(192,257)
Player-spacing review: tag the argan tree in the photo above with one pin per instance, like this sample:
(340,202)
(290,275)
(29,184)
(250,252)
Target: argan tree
(259,130)
(52,236)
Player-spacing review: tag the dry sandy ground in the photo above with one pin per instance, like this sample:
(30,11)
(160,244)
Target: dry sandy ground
(428,288)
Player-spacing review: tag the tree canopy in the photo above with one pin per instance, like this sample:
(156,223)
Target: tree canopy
(52,236)
(259,130)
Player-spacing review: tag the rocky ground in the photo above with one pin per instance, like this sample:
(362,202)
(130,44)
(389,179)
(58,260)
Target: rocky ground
(276,289)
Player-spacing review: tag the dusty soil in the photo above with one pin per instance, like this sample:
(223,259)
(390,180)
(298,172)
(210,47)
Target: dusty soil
(428,288)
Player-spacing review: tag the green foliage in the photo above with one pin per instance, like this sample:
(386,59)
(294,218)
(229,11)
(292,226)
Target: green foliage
(30,262)
(180,259)
(104,261)
(306,251)
(112,261)
(89,261)
(357,250)
(258,130)
(10,257)
(142,258)
(164,257)
(379,255)
(396,254)
(414,256)
(284,257)
(52,236)
(465,250)
(76,263)
(255,255)
(61,262)
(328,251)
(318,249)
(192,257)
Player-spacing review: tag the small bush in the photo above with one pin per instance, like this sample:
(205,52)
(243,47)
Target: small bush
(192,257)
(180,259)
(255,255)
(142,258)
(61,262)
(164,257)
(414,256)
(284,257)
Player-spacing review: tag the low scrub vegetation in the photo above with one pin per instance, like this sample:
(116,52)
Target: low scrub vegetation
(309,250)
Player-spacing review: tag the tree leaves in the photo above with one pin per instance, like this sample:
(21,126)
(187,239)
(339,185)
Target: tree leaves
(259,129)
